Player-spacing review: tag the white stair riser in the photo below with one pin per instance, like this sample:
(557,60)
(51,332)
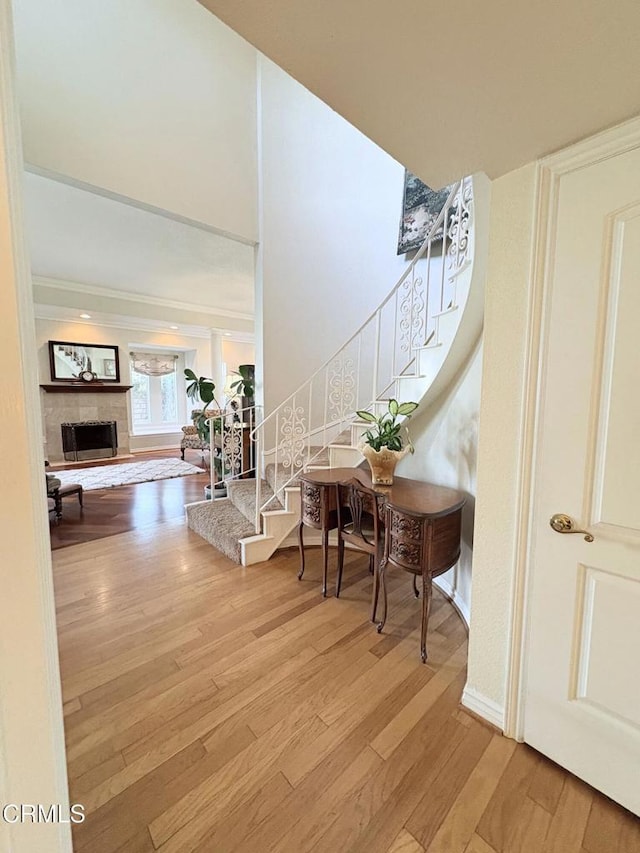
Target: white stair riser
(344,457)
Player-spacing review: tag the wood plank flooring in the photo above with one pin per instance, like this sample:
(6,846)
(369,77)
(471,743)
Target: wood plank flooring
(219,709)
(111,511)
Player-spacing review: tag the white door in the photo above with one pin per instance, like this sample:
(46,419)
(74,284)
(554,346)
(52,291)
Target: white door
(582,705)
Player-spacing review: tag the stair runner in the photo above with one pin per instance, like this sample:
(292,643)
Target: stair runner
(225,521)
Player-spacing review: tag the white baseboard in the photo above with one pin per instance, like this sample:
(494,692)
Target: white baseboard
(455,598)
(155,447)
(483,707)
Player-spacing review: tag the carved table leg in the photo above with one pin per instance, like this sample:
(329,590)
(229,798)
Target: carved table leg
(301,547)
(415,586)
(325,560)
(427,589)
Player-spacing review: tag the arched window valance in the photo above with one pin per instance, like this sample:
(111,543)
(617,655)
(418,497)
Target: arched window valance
(153,363)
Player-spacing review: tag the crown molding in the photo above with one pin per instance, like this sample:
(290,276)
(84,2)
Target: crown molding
(132,202)
(47,312)
(130,296)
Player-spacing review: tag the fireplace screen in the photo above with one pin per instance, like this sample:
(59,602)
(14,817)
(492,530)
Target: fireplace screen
(87,437)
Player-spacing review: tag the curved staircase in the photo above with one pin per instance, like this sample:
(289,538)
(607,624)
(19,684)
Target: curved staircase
(408,349)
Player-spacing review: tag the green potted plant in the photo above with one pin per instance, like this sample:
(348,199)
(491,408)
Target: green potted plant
(245,386)
(201,390)
(388,442)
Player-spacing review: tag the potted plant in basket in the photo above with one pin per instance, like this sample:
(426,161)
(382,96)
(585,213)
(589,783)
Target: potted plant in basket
(385,445)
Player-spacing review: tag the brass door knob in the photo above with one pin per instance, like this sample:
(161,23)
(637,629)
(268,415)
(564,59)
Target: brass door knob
(562,523)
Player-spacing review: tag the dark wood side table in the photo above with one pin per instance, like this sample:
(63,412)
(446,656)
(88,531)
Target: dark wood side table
(423,525)
(318,509)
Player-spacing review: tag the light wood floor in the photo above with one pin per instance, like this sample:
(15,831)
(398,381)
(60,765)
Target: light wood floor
(214,708)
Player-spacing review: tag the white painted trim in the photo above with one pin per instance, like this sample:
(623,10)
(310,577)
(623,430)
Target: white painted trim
(457,602)
(610,143)
(483,707)
(136,450)
(132,202)
(43,722)
(141,298)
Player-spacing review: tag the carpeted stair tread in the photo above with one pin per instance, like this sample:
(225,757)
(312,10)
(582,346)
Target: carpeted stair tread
(221,524)
(344,438)
(317,456)
(242,494)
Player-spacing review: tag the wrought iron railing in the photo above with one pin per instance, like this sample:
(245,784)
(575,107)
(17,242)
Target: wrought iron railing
(367,367)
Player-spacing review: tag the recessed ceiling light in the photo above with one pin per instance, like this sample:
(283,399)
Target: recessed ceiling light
(173,327)
(85,316)
(227,333)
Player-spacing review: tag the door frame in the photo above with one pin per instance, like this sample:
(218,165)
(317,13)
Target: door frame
(549,170)
(32,752)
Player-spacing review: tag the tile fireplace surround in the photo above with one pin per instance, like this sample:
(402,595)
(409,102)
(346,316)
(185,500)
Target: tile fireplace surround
(82,404)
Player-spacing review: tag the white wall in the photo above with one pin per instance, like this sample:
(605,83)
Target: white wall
(445,437)
(154,100)
(197,356)
(330,210)
(499,452)
(235,353)
(32,760)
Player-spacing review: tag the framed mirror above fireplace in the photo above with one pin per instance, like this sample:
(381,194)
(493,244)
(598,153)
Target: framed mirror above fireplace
(69,361)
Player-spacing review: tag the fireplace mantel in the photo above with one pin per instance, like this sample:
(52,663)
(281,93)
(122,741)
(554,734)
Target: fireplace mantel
(85,387)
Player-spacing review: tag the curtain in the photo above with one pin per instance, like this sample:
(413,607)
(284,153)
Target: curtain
(153,363)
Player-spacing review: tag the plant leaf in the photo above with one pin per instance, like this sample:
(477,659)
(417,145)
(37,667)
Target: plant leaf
(367,416)
(407,408)
(394,407)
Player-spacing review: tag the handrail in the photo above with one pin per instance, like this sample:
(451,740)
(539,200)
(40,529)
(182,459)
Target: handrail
(362,371)
(418,257)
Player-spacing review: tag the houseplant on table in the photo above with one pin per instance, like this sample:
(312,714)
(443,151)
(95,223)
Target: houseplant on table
(388,441)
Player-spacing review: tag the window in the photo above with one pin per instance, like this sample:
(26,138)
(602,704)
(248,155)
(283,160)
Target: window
(156,405)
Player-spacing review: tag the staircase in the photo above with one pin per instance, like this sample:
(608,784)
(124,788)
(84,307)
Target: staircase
(410,347)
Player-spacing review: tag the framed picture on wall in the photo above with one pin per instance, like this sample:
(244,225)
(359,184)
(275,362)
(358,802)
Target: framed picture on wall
(421,207)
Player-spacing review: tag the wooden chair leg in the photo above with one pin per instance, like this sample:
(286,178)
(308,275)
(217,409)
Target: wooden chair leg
(415,586)
(376,592)
(340,565)
(325,561)
(383,581)
(426,606)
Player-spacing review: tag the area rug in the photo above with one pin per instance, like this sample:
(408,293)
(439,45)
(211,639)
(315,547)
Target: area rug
(109,476)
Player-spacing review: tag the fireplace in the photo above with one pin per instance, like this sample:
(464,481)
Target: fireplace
(86,437)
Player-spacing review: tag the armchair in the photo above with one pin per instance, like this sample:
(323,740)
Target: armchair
(190,438)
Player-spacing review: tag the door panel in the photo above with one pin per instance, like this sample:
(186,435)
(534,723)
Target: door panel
(608,610)
(617,472)
(582,705)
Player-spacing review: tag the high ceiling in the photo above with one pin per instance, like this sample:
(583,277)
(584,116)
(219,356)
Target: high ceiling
(453,88)
(78,236)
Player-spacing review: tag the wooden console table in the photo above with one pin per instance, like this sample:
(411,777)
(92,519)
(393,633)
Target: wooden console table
(423,525)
